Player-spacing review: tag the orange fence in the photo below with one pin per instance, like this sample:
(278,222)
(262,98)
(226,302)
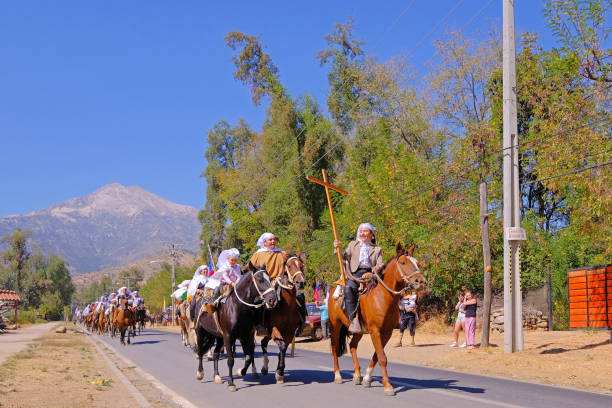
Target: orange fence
(590,297)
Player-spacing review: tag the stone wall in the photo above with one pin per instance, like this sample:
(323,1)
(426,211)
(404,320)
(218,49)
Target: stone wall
(532,320)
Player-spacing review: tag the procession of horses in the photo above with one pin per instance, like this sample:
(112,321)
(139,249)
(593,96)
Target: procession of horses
(266,299)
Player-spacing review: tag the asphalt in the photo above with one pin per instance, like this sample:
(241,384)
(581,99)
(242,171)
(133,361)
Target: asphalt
(309,382)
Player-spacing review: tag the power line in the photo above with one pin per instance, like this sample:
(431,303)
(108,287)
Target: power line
(437,26)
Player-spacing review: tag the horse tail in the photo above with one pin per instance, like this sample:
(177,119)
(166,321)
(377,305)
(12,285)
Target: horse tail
(342,339)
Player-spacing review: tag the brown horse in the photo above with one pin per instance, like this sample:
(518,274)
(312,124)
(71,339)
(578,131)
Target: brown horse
(281,322)
(380,314)
(101,322)
(124,320)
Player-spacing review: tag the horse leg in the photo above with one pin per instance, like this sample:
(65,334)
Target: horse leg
(367,379)
(216,355)
(200,354)
(248,347)
(122,341)
(264,350)
(353,348)
(379,340)
(335,329)
(280,369)
(227,340)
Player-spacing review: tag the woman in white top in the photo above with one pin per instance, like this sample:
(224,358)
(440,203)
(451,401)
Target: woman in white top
(200,277)
(228,272)
(460,322)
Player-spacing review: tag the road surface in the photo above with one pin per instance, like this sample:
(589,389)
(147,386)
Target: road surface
(309,382)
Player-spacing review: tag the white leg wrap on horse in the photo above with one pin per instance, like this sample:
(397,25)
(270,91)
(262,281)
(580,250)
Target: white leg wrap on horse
(337,377)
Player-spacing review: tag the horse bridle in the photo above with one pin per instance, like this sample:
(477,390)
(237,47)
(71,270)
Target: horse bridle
(260,293)
(405,278)
(290,278)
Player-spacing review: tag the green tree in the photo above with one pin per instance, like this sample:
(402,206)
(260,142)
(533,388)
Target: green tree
(580,27)
(16,255)
(130,278)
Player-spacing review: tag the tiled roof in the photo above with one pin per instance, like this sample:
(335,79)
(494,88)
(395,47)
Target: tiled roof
(8,295)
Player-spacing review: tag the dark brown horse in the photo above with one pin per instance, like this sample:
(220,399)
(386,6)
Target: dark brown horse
(281,322)
(124,320)
(380,314)
(234,319)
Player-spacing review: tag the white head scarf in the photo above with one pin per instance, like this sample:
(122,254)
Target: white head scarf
(262,246)
(198,271)
(364,225)
(225,255)
(197,279)
(264,236)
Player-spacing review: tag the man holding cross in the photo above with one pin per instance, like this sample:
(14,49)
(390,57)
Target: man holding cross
(360,256)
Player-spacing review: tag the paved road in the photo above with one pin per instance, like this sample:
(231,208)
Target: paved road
(309,382)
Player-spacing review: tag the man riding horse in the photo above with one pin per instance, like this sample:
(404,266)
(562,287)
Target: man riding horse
(361,256)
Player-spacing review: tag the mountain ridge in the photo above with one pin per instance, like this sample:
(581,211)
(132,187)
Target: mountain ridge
(110,227)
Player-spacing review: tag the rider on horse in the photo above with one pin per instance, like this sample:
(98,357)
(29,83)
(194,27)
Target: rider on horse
(136,299)
(274,258)
(228,273)
(360,256)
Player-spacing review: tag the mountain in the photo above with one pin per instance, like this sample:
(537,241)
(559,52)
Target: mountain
(112,226)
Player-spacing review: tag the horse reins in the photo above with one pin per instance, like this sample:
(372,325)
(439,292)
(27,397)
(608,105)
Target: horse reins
(290,278)
(261,294)
(404,277)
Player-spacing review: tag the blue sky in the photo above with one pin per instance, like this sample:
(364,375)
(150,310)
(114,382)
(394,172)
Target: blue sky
(93,93)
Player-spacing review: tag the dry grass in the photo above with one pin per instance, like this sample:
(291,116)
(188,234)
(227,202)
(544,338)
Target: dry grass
(59,370)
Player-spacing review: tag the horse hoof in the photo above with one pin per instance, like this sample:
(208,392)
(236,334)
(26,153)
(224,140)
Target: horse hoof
(218,380)
(238,373)
(200,375)
(356,379)
(264,370)
(280,379)
(367,382)
(389,392)
(232,388)
(337,378)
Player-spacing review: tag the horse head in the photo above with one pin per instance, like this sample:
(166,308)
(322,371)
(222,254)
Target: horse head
(263,286)
(408,275)
(294,268)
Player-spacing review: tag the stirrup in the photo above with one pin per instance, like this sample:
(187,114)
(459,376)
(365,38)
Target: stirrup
(355,326)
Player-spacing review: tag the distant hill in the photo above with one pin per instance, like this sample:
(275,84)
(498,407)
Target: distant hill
(149,266)
(113,226)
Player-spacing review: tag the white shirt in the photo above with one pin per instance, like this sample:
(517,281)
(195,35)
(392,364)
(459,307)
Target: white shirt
(364,255)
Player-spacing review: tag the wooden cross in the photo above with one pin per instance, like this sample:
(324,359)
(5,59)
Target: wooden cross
(331,212)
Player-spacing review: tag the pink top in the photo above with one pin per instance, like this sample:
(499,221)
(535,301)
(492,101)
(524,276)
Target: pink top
(229,274)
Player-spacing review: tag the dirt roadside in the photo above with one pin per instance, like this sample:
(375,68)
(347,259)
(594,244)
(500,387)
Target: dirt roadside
(67,370)
(572,359)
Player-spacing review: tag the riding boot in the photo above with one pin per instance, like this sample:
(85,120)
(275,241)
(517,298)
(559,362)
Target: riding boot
(351,309)
(211,306)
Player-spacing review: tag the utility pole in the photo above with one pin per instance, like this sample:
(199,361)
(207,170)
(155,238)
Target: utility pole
(513,234)
(486,256)
(173,251)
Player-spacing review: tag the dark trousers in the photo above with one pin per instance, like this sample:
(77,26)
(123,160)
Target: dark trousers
(350,293)
(408,319)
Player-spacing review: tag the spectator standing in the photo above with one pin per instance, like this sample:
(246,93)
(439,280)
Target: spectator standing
(470,319)
(409,316)
(460,322)
(324,319)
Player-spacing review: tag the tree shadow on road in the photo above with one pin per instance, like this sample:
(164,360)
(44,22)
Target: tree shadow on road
(147,342)
(407,384)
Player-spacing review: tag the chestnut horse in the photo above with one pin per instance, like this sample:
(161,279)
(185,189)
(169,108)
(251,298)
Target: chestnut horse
(124,321)
(380,314)
(281,322)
